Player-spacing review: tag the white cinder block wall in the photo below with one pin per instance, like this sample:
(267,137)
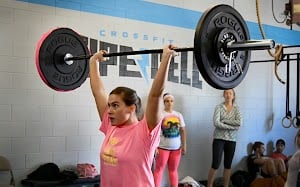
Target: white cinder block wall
(40,125)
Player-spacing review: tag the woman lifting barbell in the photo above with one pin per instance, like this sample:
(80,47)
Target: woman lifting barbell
(130,137)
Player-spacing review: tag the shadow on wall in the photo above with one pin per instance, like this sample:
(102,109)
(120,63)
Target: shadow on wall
(269,122)
(249,148)
(269,148)
(242,164)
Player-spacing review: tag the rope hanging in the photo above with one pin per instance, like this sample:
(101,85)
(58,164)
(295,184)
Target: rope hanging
(278,48)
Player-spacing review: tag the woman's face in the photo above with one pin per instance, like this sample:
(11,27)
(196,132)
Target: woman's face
(118,112)
(169,103)
(228,95)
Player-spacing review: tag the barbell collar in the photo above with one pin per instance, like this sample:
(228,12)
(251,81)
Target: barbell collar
(249,45)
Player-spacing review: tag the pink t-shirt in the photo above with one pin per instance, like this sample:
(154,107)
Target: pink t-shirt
(127,154)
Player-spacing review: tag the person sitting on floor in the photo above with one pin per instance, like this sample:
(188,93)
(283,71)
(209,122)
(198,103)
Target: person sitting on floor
(278,153)
(258,164)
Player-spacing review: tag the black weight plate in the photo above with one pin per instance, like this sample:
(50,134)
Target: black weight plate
(208,52)
(50,63)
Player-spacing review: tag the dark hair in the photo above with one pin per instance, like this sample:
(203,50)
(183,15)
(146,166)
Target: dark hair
(257,145)
(165,94)
(130,97)
(280,141)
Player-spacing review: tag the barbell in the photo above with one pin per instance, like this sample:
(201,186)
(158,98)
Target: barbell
(222,48)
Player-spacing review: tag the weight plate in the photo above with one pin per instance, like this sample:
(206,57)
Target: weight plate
(216,27)
(52,68)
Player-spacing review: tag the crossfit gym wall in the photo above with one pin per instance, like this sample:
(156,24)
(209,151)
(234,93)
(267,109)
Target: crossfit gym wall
(40,125)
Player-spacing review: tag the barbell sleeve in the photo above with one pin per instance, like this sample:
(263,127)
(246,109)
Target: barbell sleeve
(250,45)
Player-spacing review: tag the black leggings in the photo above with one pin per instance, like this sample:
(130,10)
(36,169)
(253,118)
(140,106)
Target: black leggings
(218,147)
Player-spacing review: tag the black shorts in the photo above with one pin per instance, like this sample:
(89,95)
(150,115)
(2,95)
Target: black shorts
(219,146)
